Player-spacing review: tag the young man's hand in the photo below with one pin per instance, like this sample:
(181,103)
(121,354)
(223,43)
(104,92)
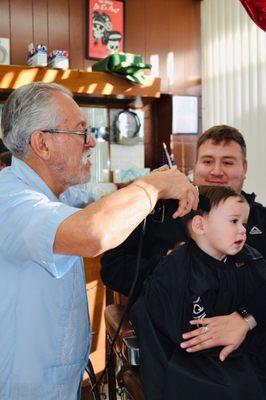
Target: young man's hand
(228,331)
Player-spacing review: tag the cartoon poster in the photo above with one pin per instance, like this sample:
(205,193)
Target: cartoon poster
(105,27)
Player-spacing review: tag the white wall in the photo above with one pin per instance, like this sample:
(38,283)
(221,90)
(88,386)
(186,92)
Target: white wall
(234,80)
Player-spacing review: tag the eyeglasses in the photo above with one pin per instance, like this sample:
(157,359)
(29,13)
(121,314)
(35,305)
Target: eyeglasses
(87,133)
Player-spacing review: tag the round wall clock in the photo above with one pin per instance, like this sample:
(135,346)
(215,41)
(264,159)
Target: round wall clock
(127,126)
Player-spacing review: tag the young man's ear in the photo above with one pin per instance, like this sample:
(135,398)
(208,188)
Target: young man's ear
(197,225)
(245,165)
(39,145)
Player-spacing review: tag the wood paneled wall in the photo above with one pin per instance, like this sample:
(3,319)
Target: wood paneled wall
(166,29)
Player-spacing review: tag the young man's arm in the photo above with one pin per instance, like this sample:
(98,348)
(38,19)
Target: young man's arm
(256,306)
(118,265)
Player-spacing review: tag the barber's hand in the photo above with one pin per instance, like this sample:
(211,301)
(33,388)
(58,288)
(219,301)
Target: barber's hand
(229,331)
(172,184)
(164,167)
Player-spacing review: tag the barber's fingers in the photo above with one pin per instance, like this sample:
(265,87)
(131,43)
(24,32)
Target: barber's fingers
(192,198)
(182,208)
(172,184)
(162,168)
(188,202)
(195,199)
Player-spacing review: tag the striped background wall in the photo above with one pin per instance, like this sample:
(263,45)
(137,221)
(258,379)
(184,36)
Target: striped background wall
(234,80)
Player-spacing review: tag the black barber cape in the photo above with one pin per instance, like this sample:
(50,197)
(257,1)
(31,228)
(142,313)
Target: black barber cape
(162,233)
(190,284)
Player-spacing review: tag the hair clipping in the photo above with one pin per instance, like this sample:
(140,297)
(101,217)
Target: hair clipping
(204,203)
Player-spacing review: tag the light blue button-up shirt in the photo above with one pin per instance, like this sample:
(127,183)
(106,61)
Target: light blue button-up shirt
(44,323)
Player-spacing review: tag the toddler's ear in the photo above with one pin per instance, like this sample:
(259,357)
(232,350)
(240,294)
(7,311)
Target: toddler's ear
(197,224)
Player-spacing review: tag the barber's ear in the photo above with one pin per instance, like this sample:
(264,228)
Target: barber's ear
(39,144)
(198,225)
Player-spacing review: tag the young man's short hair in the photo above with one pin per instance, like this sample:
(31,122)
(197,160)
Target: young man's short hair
(223,133)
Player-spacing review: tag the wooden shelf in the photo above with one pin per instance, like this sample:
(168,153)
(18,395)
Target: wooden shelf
(79,82)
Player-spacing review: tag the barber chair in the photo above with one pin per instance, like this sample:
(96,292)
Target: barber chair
(123,371)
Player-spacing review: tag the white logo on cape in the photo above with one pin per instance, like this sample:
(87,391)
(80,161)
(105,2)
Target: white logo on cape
(255,231)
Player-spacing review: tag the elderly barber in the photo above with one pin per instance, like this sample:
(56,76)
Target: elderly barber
(45,331)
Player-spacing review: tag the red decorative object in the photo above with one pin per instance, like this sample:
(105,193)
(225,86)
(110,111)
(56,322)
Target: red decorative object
(257,11)
(105,27)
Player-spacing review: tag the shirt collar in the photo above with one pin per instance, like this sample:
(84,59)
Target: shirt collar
(250,197)
(27,175)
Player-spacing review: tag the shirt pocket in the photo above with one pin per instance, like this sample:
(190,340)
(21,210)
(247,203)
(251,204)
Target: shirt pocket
(63,374)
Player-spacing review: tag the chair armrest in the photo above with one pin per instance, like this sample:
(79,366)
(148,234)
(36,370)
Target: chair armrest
(112,316)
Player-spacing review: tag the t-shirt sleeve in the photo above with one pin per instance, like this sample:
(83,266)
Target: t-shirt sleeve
(30,224)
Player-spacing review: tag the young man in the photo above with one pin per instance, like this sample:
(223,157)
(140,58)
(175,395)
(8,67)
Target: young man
(210,275)
(45,331)
(221,160)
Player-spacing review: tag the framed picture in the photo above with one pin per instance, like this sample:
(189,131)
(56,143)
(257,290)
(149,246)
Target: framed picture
(185,115)
(105,27)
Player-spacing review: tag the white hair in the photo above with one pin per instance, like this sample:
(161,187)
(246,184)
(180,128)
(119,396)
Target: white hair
(29,108)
